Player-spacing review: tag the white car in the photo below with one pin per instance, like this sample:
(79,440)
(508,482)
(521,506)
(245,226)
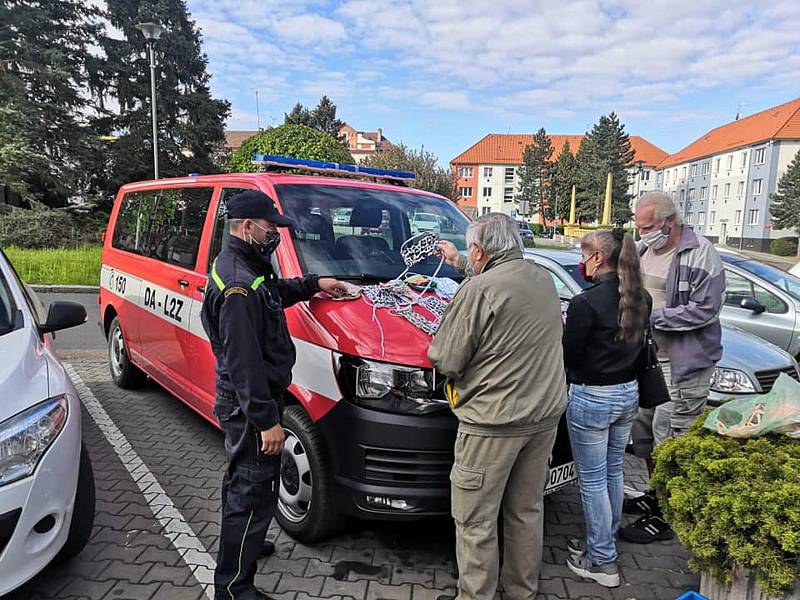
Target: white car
(47,490)
(424,222)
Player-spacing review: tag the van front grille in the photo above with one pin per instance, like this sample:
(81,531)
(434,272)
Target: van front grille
(767,379)
(388,465)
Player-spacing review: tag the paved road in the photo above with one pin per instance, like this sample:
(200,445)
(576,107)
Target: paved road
(158,468)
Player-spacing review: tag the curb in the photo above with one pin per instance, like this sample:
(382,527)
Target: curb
(66,289)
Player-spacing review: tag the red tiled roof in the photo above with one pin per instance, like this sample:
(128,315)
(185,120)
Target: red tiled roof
(507,149)
(777,123)
(235,139)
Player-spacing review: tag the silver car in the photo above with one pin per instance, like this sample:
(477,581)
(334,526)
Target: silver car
(47,494)
(763,300)
(749,364)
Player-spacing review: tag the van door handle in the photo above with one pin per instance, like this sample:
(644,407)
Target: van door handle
(183,282)
(201,289)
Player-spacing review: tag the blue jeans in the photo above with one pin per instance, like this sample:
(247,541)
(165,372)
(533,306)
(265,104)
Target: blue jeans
(599,419)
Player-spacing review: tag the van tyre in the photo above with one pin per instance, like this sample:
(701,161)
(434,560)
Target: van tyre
(80,527)
(124,373)
(306,507)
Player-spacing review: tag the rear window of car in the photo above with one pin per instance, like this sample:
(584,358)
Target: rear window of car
(164,224)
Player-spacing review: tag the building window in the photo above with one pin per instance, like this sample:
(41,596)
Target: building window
(727,190)
(683,173)
(744,159)
(716,165)
(712,218)
(714,192)
(694,170)
(689,218)
(706,167)
(761,156)
(753,217)
(645,175)
(465,192)
(701,218)
(509,175)
(691,194)
(757,184)
(508,194)
(487,192)
(486,210)
(730,162)
(465,171)
(703,193)
(674,175)
(738,218)
(683,196)
(740,189)
(487,171)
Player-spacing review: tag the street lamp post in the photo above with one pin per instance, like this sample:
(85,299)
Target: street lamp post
(152,32)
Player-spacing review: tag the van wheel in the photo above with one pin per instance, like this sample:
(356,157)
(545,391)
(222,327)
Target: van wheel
(306,508)
(80,528)
(124,373)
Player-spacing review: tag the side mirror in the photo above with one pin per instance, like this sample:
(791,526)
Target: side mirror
(751,303)
(63,315)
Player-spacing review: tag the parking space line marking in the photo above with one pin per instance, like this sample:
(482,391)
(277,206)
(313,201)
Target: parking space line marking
(176,529)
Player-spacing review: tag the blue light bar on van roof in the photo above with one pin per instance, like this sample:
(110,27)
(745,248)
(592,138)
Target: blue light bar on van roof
(331,167)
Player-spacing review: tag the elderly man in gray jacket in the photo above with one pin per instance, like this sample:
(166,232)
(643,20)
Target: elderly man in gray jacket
(500,347)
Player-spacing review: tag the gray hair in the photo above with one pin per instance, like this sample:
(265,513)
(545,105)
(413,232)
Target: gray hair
(235,225)
(496,233)
(664,206)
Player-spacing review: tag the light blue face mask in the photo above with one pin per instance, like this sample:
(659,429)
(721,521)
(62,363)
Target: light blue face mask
(657,239)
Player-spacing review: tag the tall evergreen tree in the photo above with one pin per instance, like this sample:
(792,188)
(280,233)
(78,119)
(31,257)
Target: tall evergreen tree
(785,207)
(44,137)
(564,174)
(299,115)
(590,182)
(613,154)
(322,117)
(535,172)
(190,121)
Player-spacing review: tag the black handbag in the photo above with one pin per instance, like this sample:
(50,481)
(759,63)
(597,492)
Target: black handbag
(653,389)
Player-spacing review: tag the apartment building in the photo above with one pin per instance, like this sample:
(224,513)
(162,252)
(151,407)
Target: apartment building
(723,181)
(487,171)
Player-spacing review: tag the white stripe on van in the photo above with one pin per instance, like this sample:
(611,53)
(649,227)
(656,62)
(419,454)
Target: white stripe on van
(313,370)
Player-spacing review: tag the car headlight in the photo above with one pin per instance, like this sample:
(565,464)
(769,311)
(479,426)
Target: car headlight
(24,438)
(732,381)
(391,388)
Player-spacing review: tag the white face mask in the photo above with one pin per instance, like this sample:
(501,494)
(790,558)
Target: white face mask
(657,239)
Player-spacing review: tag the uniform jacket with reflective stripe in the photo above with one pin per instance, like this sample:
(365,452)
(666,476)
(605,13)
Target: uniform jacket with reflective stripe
(500,344)
(243,317)
(695,294)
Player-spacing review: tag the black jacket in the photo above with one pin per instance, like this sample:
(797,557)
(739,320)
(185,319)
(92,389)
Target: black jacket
(592,355)
(243,317)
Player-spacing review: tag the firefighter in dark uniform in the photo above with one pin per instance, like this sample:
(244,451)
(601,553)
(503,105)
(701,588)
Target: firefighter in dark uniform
(243,317)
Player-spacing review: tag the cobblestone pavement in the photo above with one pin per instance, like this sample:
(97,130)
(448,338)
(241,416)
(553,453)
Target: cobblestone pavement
(134,553)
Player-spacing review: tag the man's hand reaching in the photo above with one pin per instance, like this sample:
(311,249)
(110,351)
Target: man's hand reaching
(272,440)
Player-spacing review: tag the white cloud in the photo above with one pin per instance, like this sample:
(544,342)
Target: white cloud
(445,100)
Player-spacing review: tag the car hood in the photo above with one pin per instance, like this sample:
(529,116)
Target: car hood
(23,372)
(746,352)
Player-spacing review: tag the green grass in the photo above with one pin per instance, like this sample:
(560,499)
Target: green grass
(57,266)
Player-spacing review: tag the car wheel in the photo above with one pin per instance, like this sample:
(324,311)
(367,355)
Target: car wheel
(80,528)
(124,373)
(306,506)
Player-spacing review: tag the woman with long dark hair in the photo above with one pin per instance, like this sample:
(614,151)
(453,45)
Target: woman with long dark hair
(603,340)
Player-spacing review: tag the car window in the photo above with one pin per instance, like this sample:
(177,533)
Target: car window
(219,239)
(770,301)
(164,224)
(780,279)
(8,308)
(561,286)
(738,288)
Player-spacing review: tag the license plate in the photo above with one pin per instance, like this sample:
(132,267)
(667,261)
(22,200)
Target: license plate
(560,476)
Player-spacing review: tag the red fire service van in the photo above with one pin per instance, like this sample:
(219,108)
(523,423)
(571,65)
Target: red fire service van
(368,431)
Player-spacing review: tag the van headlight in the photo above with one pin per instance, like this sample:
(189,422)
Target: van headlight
(731,381)
(24,438)
(391,388)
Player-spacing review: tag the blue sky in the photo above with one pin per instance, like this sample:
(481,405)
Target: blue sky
(443,73)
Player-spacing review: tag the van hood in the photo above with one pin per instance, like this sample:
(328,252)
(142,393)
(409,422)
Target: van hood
(352,327)
(23,372)
(745,352)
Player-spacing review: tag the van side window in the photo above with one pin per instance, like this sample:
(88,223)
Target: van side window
(163,224)
(220,236)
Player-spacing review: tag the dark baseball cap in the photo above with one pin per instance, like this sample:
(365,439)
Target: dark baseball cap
(253,204)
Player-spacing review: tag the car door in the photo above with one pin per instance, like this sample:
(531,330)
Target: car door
(170,290)
(772,320)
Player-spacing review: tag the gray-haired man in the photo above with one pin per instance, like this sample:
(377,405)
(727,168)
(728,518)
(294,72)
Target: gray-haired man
(500,346)
(683,273)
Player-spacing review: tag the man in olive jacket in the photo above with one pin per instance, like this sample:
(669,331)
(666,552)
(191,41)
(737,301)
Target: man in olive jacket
(499,345)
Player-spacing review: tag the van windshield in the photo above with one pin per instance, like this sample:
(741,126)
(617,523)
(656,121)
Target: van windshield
(356,233)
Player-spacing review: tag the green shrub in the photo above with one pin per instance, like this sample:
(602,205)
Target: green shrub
(42,227)
(57,266)
(537,228)
(786,246)
(297,141)
(734,503)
